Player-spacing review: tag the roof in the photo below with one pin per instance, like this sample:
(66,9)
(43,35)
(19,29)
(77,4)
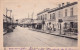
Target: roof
(43,11)
(63,7)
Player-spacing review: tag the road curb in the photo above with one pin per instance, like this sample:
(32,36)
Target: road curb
(56,35)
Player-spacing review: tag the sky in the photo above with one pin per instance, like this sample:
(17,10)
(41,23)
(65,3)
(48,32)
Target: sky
(23,8)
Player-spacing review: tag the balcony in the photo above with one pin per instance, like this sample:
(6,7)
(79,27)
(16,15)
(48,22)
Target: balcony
(70,18)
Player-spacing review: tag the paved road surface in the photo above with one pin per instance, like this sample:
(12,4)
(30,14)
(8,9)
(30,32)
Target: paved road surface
(23,37)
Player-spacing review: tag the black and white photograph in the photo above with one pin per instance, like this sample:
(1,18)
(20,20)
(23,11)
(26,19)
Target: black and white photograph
(40,23)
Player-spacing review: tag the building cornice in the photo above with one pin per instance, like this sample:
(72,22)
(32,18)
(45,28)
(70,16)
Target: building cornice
(63,7)
(42,12)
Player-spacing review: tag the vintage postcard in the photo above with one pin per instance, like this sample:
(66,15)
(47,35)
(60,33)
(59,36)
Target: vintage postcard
(39,25)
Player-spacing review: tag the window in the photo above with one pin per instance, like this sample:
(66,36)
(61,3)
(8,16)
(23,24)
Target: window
(71,11)
(58,26)
(53,26)
(75,25)
(50,16)
(71,24)
(59,13)
(53,17)
(45,16)
(38,17)
(65,12)
(41,17)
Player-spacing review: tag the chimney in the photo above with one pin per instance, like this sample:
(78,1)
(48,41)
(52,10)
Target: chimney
(59,5)
(47,9)
(68,3)
(53,8)
(56,8)
(62,4)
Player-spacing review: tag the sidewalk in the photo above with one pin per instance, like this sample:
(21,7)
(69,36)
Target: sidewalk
(67,36)
(57,34)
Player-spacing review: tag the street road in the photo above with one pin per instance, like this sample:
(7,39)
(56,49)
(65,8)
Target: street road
(23,37)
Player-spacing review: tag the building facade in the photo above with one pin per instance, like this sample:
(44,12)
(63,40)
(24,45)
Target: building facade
(63,19)
(42,18)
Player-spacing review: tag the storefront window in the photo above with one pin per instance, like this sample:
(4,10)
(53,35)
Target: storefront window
(71,24)
(75,25)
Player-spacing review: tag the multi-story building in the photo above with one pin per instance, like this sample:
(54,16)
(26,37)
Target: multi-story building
(63,18)
(42,17)
(68,15)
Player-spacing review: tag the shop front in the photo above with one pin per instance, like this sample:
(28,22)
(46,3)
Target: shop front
(71,28)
